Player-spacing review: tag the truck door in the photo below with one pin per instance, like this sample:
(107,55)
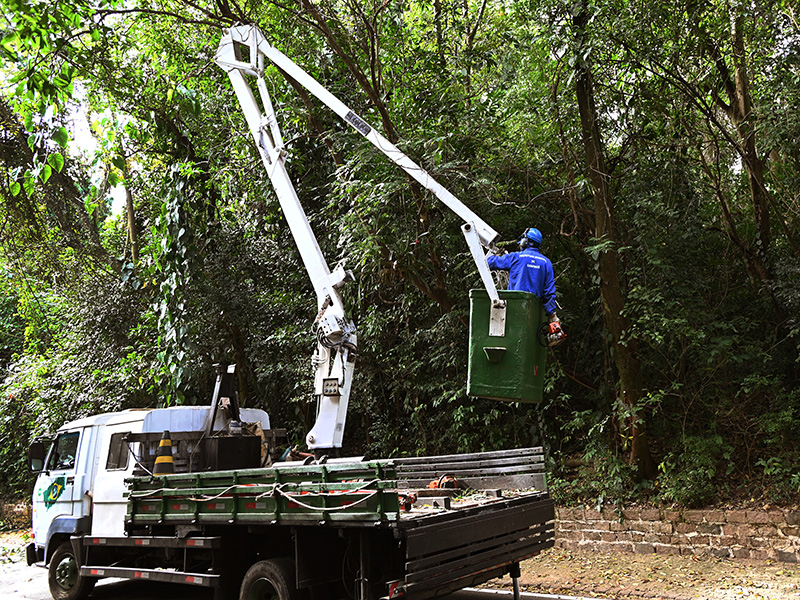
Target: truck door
(54,493)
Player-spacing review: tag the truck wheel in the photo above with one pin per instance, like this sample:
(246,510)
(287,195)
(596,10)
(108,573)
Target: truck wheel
(269,580)
(64,578)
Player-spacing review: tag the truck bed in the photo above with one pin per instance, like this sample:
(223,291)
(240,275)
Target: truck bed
(445,538)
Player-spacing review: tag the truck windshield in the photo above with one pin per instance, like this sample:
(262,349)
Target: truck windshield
(64,450)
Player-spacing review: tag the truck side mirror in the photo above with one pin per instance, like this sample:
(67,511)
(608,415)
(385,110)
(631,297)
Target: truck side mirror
(36,456)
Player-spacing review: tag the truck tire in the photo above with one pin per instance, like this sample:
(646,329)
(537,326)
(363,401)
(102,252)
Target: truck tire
(64,578)
(269,580)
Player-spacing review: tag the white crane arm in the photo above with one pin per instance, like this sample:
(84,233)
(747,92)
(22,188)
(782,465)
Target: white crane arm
(251,37)
(242,52)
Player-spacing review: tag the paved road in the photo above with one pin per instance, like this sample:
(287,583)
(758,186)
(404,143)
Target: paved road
(18,581)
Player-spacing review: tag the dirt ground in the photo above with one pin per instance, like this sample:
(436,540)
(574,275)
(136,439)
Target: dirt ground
(656,577)
(613,576)
(12,545)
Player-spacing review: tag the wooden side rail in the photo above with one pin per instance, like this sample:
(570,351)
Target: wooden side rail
(521,468)
(447,552)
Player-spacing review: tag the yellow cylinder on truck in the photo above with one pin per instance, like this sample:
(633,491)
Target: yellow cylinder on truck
(511,367)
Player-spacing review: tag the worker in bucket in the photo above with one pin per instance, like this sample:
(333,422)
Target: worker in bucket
(531,271)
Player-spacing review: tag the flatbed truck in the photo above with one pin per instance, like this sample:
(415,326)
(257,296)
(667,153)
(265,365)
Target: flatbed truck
(335,528)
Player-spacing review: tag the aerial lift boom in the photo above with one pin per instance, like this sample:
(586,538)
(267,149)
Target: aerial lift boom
(243,52)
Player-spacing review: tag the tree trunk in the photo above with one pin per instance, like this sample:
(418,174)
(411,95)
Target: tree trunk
(625,348)
(133,233)
(437,22)
(738,107)
(741,115)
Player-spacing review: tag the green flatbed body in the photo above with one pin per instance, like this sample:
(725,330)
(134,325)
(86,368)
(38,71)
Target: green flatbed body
(329,515)
(358,492)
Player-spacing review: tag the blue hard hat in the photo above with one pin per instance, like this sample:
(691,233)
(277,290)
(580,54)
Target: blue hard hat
(533,235)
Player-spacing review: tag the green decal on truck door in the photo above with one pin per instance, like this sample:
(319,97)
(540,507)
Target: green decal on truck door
(53,492)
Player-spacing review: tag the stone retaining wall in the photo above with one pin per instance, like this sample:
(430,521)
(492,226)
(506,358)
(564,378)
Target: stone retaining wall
(758,534)
(15,515)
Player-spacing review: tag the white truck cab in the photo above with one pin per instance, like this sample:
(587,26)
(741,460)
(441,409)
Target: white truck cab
(80,488)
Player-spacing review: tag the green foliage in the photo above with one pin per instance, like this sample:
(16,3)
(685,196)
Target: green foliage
(12,326)
(175,265)
(690,475)
(600,476)
(483,95)
(781,480)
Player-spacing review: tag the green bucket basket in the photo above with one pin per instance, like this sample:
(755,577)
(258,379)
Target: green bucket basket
(508,368)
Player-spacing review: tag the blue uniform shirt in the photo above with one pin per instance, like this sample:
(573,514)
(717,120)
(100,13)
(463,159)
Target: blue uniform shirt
(529,271)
